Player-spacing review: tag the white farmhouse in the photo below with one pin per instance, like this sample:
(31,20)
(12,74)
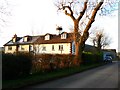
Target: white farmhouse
(48,43)
(55,44)
(20,44)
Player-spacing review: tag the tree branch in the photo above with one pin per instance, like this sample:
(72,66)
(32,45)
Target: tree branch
(93,16)
(83,11)
(69,14)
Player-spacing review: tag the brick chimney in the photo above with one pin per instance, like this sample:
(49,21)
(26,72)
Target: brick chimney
(14,38)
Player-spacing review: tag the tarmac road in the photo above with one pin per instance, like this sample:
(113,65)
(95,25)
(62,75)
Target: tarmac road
(101,77)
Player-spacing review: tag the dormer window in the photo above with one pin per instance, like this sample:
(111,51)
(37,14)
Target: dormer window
(64,36)
(47,37)
(26,38)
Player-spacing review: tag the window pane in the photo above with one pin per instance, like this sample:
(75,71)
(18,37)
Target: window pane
(44,49)
(52,47)
(22,48)
(9,47)
(60,47)
(31,49)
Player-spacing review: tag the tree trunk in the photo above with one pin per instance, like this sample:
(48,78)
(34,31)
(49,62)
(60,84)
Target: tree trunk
(77,44)
(76,37)
(99,43)
(80,53)
(77,49)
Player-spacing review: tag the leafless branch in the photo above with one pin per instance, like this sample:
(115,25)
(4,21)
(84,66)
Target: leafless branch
(77,9)
(100,38)
(5,11)
(82,12)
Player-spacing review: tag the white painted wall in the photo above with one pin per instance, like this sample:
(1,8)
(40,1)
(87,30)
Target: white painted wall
(26,48)
(38,48)
(66,48)
(10,51)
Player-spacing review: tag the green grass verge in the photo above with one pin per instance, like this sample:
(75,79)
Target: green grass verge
(43,77)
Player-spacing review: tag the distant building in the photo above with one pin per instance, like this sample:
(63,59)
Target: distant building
(109,52)
(89,48)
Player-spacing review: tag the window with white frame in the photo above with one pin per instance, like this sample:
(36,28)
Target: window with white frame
(64,36)
(60,47)
(43,48)
(53,49)
(9,47)
(22,48)
(47,37)
(31,48)
(25,39)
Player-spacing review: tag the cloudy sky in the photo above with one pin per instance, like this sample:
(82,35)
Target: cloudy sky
(35,17)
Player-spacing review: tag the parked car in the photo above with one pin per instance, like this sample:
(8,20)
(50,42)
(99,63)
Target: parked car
(108,59)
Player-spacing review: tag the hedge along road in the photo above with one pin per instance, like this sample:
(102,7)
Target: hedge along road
(101,77)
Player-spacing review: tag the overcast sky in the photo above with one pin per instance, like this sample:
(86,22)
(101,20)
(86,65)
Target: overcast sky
(36,17)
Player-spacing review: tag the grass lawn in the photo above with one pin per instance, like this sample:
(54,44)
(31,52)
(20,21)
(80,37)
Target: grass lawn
(44,77)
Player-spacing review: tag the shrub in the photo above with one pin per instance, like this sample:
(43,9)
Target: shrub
(14,66)
(25,63)
(49,62)
(41,62)
(9,68)
(63,61)
(89,58)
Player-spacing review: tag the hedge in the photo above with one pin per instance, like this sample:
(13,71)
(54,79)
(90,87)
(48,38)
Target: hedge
(49,62)
(15,66)
(89,58)
(23,64)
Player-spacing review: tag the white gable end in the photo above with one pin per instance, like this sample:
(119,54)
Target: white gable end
(47,37)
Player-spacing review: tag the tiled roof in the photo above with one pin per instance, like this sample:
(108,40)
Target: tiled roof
(21,41)
(11,42)
(90,48)
(113,50)
(55,39)
(41,39)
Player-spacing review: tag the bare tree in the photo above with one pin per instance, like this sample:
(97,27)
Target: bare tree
(5,11)
(100,39)
(82,13)
(35,46)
